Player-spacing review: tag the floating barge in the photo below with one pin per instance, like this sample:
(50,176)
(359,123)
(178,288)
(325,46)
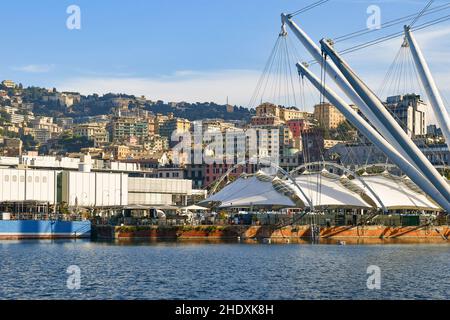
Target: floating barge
(44,229)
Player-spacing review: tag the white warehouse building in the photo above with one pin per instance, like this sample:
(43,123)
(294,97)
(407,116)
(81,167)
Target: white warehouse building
(149,191)
(89,189)
(20,185)
(94,189)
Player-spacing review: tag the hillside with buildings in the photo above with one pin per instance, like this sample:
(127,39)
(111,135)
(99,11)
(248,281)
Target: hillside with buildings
(50,102)
(118,127)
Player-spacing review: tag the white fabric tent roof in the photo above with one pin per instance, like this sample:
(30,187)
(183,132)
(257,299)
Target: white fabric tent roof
(325,190)
(194,207)
(328,192)
(250,191)
(395,194)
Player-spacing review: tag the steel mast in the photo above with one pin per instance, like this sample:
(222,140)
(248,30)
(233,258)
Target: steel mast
(389,122)
(340,80)
(429,84)
(375,137)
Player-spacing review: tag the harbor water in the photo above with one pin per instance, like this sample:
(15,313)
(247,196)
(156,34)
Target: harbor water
(197,270)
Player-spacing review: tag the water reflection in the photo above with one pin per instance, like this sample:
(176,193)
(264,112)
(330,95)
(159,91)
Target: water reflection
(198,269)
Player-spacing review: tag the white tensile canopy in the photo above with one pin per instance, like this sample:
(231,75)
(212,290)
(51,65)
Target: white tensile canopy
(396,194)
(329,192)
(248,191)
(195,207)
(325,190)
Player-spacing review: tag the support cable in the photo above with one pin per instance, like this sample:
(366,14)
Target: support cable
(388,24)
(387,37)
(421,13)
(308,7)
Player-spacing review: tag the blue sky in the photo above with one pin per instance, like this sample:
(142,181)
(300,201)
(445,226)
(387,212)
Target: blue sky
(196,50)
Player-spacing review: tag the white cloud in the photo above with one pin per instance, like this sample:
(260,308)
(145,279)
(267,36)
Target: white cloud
(35,68)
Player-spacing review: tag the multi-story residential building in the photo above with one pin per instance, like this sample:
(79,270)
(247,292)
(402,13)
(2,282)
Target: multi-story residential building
(156,143)
(136,112)
(268,109)
(117,152)
(11,128)
(268,120)
(214,125)
(169,172)
(9,109)
(195,173)
(410,112)
(16,118)
(328,116)
(270,114)
(293,113)
(46,123)
(291,160)
(41,135)
(148,164)
(174,125)
(122,128)
(9,84)
(259,142)
(151,125)
(297,126)
(273,142)
(93,131)
(88,130)
(43,129)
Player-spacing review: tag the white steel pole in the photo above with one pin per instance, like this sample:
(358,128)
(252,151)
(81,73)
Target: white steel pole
(340,80)
(371,134)
(389,122)
(429,84)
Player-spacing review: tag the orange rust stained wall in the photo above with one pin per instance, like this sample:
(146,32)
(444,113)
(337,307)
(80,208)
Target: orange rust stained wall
(232,232)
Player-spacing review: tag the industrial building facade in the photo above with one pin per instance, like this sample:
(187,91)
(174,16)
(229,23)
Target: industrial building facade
(77,189)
